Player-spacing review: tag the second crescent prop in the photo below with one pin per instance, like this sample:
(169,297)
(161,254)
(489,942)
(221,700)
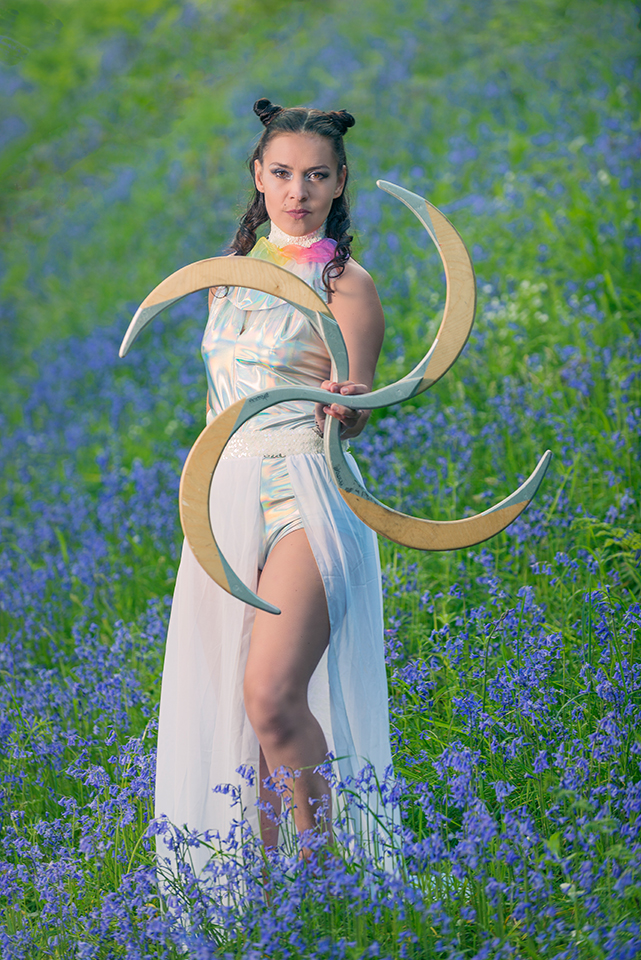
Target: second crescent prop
(458,316)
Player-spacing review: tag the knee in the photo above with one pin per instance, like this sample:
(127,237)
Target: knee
(273,714)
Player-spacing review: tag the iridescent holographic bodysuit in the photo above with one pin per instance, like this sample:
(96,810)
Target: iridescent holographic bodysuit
(253,342)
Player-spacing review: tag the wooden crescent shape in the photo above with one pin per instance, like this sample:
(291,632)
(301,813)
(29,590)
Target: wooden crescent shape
(227,272)
(458,317)
(410,531)
(460,302)
(454,330)
(195,485)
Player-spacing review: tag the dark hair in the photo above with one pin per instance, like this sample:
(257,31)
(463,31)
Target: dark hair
(332,126)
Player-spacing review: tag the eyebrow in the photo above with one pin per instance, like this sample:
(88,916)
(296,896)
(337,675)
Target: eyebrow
(286,166)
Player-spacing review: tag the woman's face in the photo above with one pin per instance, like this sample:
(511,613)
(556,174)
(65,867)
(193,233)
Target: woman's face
(299,177)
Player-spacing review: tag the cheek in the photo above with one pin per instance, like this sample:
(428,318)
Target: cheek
(274,188)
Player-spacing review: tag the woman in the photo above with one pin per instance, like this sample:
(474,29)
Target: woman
(247,689)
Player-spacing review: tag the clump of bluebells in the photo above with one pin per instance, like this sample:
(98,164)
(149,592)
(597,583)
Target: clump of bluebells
(509,826)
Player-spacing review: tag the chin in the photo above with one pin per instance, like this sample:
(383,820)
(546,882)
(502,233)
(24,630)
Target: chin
(298,228)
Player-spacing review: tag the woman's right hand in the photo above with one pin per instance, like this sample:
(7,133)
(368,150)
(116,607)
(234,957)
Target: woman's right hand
(353,421)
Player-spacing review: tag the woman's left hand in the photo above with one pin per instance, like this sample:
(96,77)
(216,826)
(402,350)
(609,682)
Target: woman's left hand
(353,420)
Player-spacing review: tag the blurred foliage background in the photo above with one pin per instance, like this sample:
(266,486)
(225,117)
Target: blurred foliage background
(124,126)
(124,130)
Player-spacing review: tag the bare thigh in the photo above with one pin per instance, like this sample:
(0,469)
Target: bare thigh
(285,649)
(283,654)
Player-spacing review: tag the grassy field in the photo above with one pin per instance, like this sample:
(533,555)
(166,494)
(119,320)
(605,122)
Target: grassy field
(514,667)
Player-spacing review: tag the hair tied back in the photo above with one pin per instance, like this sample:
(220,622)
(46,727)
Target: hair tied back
(342,120)
(309,121)
(265,110)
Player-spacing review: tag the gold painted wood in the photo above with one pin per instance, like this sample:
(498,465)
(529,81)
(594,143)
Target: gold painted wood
(460,303)
(237,272)
(223,271)
(195,484)
(433,534)
(454,330)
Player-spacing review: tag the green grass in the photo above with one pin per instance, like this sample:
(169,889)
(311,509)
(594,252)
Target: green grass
(519,119)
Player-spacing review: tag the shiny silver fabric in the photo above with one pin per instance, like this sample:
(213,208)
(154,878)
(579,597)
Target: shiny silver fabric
(278,507)
(252,342)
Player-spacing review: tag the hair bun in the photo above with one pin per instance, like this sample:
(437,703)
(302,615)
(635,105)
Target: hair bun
(342,119)
(265,110)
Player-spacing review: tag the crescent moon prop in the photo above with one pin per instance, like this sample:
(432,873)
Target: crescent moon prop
(452,335)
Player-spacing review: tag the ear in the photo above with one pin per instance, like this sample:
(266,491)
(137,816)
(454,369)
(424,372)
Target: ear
(340,186)
(258,176)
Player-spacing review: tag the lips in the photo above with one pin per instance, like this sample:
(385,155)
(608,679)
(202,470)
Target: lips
(298,214)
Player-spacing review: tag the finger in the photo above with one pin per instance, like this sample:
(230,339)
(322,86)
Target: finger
(345,414)
(341,412)
(334,411)
(352,389)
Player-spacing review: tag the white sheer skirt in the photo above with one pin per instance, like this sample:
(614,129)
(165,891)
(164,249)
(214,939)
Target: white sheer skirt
(204,734)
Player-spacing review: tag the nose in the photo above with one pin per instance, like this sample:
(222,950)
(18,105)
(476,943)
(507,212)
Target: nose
(298,188)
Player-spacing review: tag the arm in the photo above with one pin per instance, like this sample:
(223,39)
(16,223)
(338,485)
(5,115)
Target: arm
(358,312)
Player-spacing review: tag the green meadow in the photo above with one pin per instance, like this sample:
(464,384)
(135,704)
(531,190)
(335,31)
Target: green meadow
(514,666)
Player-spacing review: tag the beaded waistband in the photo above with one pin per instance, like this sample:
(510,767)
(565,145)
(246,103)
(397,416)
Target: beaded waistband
(273,443)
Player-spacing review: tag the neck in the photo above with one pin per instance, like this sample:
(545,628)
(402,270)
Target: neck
(281,239)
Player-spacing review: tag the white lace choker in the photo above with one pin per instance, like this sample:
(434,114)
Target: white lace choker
(281,239)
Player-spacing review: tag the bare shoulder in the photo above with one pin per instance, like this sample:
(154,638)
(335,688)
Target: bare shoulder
(355,281)
(355,292)
(358,312)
